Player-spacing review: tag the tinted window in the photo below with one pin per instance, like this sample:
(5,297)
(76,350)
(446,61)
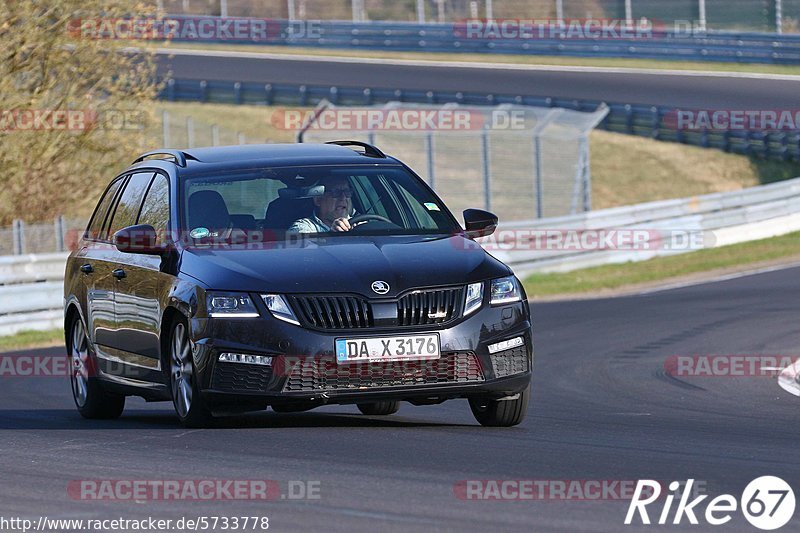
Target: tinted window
(292,198)
(93,231)
(155,209)
(129,203)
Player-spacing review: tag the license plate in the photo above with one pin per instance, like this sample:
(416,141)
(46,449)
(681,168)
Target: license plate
(388,348)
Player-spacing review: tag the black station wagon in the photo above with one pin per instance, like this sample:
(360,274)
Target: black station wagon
(238,278)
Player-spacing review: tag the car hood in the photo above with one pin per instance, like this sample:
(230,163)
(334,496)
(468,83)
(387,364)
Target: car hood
(344,264)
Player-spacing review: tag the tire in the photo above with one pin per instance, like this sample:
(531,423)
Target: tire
(186,396)
(501,413)
(387,407)
(91,399)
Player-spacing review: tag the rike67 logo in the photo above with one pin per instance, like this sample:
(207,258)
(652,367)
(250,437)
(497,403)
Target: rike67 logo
(767,503)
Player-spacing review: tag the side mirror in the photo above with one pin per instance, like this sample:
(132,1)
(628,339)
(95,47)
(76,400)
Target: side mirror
(141,239)
(479,223)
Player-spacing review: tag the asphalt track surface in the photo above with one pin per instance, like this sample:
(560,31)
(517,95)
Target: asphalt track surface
(651,88)
(602,409)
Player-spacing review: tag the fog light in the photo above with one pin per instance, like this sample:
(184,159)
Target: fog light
(506,345)
(245,358)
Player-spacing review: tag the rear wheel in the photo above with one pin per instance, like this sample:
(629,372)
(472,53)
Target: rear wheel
(90,398)
(501,413)
(186,397)
(388,407)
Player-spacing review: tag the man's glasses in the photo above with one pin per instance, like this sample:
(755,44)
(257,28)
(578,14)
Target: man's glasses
(339,193)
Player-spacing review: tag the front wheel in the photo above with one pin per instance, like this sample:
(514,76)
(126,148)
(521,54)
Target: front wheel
(90,398)
(388,407)
(186,397)
(501,413)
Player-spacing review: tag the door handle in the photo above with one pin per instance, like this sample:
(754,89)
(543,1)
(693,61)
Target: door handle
(87,269)
(118,273)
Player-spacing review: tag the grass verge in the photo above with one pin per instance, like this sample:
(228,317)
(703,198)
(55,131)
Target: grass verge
(737,257)
(31,339)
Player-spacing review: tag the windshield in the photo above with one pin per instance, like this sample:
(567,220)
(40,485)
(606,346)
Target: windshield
(312,200)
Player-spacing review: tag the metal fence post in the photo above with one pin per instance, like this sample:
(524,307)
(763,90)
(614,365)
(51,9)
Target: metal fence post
(487,171)
(165,128)
(215,135)
(59,227)
(190,132)
(223,8)
(537,164)
(560,10)
(779,16)
(702,13)
(628,13)
(587,173)
(489,10)
(429,147)
(18,231)
(421,11)
(242,138)
(290,12)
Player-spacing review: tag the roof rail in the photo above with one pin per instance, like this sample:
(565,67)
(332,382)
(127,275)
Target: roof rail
(178,156)
(369,150)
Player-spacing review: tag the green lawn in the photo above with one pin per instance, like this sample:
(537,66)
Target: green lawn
(737,256)
(31,339)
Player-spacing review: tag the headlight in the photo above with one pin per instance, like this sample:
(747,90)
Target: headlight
(505,290)
(279,308)
(231,305)
(473,298)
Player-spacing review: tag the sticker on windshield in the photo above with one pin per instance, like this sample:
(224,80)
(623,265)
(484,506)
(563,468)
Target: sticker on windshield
(199,233)
(431,206)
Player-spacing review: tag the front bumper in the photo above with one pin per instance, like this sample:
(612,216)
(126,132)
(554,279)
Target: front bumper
(304,368)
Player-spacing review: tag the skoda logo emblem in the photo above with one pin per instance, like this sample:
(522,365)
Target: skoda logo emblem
(380,287)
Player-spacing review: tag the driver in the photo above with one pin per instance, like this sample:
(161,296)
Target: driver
(332,210)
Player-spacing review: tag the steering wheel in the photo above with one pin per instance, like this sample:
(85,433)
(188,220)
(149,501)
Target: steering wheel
(363,219)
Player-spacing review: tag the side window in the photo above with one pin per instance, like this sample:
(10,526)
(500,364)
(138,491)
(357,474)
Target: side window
(421,214)
(155,209)
(95,227)
(129,203)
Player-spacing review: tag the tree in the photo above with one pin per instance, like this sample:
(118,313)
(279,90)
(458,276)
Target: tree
(75,107)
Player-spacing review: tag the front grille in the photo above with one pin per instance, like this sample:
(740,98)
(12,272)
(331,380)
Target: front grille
(324,374)
(416,308)
(333,312)
(239,377)
(432,306)
(509,362)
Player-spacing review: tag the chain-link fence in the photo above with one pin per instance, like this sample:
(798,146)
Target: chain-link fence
(521,162)
(735,15)
(57,236)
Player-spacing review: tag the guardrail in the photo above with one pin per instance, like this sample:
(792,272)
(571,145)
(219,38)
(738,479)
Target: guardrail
(689,45)
(669,227)
(31,294)
(646,121)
